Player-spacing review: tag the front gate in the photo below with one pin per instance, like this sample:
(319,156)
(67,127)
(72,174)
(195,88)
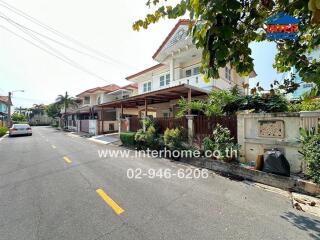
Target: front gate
(84,126)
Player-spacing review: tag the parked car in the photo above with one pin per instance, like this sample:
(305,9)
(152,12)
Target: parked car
(20,129)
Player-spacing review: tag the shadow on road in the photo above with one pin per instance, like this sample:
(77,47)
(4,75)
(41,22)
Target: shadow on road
(310,225)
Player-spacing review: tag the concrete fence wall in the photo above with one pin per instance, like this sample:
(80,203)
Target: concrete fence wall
(259,132)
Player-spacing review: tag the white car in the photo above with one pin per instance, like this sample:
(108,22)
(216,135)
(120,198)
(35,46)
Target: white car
(20,129)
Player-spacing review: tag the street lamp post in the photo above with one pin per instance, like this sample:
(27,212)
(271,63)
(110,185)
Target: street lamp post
(10,94)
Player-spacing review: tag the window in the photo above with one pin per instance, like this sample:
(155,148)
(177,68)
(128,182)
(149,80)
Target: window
(161,81)
(125,96)
(86,100)
(147,87)
(188,73)
(196,71)
(164,80)
(167,79)
(228,73)
(166,114)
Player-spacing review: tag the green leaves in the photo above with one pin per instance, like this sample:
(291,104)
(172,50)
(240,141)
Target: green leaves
(223,29)
(220,141)
(311,152)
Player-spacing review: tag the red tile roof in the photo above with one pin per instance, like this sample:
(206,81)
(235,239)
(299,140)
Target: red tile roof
(132,85)
(107,89)
(5,99)
(179,23)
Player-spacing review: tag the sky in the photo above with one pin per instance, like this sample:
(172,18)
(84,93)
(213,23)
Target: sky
(105,26)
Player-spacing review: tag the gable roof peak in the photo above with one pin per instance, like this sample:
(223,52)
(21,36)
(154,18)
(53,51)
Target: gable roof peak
(178,24)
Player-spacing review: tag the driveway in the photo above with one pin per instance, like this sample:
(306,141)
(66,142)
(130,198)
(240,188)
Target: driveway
(55,186)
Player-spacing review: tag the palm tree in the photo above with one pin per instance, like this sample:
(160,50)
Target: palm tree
(66,101)
(36,109)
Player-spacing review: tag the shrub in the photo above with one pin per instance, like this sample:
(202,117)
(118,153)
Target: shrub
(150,122)
(308,105)
(257,103)
(3,131)
(127,138)
(173,139)
(225,102)
(147,139)
(311,152)
(220,141)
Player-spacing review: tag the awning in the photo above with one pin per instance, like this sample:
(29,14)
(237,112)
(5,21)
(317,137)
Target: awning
(156,97)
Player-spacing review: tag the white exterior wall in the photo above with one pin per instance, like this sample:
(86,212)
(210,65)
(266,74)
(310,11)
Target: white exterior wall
(253,144)
(194,80)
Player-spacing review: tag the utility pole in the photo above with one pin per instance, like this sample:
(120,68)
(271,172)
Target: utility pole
(9,110)
(9,122)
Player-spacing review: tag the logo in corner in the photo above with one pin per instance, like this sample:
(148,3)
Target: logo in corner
(282,27)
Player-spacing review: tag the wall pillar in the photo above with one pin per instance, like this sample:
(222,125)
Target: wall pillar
(241,135)
(145,114)
(128,122)
(121,116)
(191,131)
(172,77)
(189,99)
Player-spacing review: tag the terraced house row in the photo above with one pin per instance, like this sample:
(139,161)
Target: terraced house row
(154,91)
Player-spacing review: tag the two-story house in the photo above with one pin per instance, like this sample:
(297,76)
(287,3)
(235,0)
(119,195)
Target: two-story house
(176,75)
(5,103)
(77,117)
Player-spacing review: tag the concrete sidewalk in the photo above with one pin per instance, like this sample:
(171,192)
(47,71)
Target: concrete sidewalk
(106,138)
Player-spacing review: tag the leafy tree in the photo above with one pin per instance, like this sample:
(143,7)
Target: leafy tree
(66,101)
(16,117)
(53,110)
(223,29)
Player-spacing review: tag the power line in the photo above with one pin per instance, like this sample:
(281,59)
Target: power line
(60,34)
(30,99)
(55,55)
(54,40)
(73,63)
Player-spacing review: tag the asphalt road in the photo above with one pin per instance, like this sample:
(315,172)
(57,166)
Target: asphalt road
(48,190)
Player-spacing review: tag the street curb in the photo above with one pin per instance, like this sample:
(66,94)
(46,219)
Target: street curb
(98,141)
(285,183)
(4,136)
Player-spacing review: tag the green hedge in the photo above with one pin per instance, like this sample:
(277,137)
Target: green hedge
(311,152)
(127,138)
(3,131)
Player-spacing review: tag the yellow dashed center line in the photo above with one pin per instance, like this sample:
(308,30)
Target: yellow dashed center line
(53,146)
(67,160)
(116,208)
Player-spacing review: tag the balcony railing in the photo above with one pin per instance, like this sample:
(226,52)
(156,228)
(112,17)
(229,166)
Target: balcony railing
(194,80)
